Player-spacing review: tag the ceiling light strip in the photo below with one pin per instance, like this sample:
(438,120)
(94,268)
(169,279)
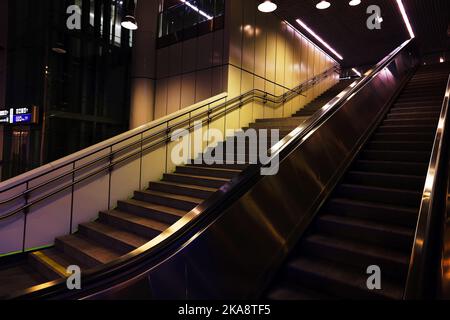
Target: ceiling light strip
(357,72)
(190,5)
(304,26)
(405,18)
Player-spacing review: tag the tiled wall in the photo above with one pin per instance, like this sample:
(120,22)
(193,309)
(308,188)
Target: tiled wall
(255,50)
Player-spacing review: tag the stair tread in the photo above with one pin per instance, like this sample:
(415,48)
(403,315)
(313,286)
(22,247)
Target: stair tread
(366,187)
(200,177)
(385,174)
(371,204)
(173,196)
(360,248)
(237,171)
(182,185)
(339,273)
(367,224)
(157,207)
(129,238)
(90,248)
(144,221)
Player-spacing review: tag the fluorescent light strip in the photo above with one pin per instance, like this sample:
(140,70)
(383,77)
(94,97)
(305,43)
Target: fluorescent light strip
(405,18)
(207,16)
(300,22)
(357,72)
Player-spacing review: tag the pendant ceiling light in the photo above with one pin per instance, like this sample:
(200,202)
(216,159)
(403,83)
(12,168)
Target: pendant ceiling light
(354,2)
(267,6)
(323,5)
(129,21)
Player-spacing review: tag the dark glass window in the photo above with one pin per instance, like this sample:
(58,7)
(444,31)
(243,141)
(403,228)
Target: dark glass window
(183,19)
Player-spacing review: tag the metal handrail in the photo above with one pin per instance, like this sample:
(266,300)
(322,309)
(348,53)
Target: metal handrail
(427,214)
(212,113)
(188,226)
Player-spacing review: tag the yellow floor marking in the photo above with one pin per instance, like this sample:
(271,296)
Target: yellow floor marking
(52,263)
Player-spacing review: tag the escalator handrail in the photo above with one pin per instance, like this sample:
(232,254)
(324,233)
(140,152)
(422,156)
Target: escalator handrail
(180,231)
(163,135)
(427,215)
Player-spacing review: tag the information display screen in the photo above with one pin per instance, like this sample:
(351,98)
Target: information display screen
(17,116)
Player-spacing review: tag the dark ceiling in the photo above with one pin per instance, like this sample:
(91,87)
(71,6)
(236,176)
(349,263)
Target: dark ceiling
(344,27)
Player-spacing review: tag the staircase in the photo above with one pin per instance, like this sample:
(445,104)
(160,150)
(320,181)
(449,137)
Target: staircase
(370,218)
(138,220)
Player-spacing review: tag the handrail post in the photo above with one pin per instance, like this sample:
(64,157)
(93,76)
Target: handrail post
(26,210)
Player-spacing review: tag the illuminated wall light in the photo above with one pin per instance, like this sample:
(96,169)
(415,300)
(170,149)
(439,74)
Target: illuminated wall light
(405,18)
(357,72)
(323,5)
(267,6)
(207,16)
(354,3)
(441,60)
(301,23)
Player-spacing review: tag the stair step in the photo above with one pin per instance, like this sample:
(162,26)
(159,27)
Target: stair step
(376,194)
(208,172)
(407,129)
(209,182)
(183,189)
(184,203)
(340,280)
(236,166)
(396,215)
(379,155)
(426,109)
(357,254)
(414,115)
(146,228)
(157,212)
(120,240)
(88,252)
(386,180)
(399,145)
(381,234)
(392,167)
(407,136)
(411,121)
(52,263)
(287,292)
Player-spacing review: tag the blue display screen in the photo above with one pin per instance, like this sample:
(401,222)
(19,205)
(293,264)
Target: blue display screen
(23,118)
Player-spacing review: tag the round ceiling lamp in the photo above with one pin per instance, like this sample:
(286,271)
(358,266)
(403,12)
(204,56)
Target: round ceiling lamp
(129,22)
(323,5)
(267,6)
(354,2)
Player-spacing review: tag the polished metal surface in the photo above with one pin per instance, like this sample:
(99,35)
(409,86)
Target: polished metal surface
(430,210)
(230,246)
(234,255)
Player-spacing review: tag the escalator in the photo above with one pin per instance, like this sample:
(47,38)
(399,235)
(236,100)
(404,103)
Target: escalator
(136,221)
(371,216)
(352,169)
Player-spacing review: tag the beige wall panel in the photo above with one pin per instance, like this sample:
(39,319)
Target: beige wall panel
(218,48)
(161,98)
(188,90)
(217,81)
(268,107)
(162,65)
(258,106)
(174,94)
(248,25)
(205,51)
(271,49)
(247,84)
(189,55)
(203,85)
(260,44)
(175,59)
(234,8)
